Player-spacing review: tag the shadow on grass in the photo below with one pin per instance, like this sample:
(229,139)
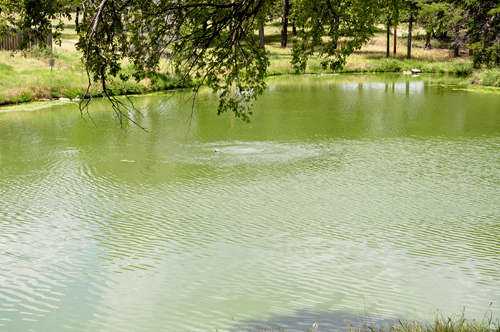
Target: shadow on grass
(69,36)
(370,54)
(322,320)
(276,38)
(284,56)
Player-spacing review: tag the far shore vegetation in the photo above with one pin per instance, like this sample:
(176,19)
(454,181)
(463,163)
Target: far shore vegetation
(28,77)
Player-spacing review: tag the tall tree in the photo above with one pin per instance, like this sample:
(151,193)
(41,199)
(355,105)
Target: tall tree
(483,30)
(390,17)
(261,35)
(284,22)
(388,32)
(314,18)
(388,39)
(434,16)
(35,18)
(262,21)
(412,11)
(387,11)
(410,27)
(77,12)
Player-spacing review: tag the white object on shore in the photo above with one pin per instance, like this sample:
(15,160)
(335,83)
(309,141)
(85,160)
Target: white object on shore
(415,71)
(216,150)
(64,99)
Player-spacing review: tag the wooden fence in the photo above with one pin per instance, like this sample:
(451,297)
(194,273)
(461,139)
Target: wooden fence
(11,42)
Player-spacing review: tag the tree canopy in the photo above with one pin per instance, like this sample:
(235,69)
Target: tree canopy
(33,17)
(483,30)
(347,25)
(214,42)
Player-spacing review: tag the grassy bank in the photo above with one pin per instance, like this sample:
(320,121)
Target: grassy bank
(440,324)
(487,77)
(29,78)
(457,323)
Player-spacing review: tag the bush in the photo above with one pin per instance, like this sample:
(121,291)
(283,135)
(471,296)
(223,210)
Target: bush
(390,65)
(488,56)
(72,93)
(487,77)
(41,52)
(24,97)
(462,69)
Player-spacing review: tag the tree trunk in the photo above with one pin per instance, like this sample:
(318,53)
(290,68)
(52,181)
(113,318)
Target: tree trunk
(261,35)
(410,23)
(284,21)
(334,29)
(294,29)
(428,40)
(455,50)
(395,38)
(76,18)
(388,39)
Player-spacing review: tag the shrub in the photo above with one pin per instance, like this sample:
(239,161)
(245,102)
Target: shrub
(24,97)
(462,69)
(41,52)
(393,65)
(72,93)
(487,77)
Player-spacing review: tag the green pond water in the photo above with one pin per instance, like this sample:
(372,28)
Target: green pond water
(367,198)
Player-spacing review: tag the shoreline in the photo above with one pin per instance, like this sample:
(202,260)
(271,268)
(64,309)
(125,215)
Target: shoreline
(48,102)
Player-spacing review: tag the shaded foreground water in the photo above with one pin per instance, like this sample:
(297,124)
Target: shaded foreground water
(375,197)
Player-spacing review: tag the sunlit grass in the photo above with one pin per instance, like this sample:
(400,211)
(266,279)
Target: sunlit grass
(487,77)
(372,56)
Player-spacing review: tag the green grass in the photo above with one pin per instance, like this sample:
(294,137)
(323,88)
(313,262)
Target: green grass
(461,68)
(372,56)
(280,66)
(487,77)
(457,323)
(28,77)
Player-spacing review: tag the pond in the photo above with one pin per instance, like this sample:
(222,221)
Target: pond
(366,198)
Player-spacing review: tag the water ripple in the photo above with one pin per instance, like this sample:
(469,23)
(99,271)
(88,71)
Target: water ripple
(142,232)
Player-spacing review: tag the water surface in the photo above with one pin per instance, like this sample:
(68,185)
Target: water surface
(357,197)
